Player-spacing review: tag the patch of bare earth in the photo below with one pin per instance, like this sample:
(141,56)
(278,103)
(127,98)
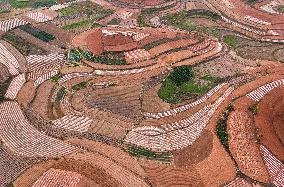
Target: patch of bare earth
(195,153)
(218,168)
(114,153)
(41,102)
(242,142)
(166,176)
(152,102)
(269,121)
(26,94)
(78,69)
(92,172)
(32,174)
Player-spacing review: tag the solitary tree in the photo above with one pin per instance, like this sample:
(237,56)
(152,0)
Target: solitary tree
(181,74)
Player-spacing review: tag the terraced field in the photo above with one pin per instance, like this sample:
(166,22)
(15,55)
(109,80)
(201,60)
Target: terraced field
(141,93)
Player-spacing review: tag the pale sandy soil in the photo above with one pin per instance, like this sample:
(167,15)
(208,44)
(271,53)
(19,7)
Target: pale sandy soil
(26,94)
(32,174)
(78,69)
(152,102)
(116,154)
(41,102)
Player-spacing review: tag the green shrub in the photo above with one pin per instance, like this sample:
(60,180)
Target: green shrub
(182,84)
(221,129)
(60,94)
(280,8)
(149,154)
(55,78)
(80,86)
(254,109)
(10,184)
(181,75)
(114,21)
(75,55)
(168,92)
(231,40)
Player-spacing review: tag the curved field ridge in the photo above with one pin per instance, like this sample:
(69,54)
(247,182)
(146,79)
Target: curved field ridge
(119,173)
(45,77)
(183,108)
(23,139)
(8,60)
(39,17)
(11,23)
(274,166)
(57,177)
(239,182)
(15,86)
(176,135)
(74,123)
(11,166)
(259,93)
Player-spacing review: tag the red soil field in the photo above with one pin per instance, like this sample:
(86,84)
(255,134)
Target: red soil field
(144,2)
(116,40)
(270,120)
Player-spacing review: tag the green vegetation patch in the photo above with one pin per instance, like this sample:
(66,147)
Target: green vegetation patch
(60,94)
(114,21)
(203,13)
(37,33)
(80,85)
(169,92)
(160,42)
(280,8)
(80,24)
(10,184)
(149,154)
(231,41)
(182,84)
(221,129)
(55,78)
(254,109)
(194,88)
(18,3)
(3,88)
(78,55)
(181,75)
(145,13)
(22,45)
(44,3)
(183,21)
(180,20)
(94,11)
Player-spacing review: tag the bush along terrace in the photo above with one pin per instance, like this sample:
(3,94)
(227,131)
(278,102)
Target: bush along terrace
(77,55)
(3,88)
(149,154)
(183,84)
(22,45)
(81,85)
(37,33)
(221,129)
(60,94)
